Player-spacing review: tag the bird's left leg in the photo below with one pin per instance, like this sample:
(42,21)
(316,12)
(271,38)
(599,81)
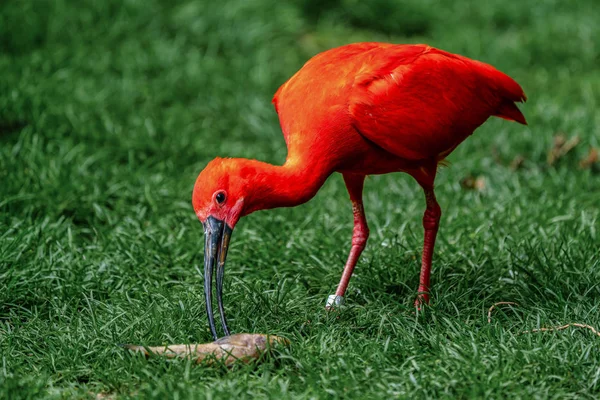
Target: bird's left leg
(360,234)
(431,222)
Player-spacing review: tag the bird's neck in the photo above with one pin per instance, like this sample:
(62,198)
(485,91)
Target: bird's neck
(287,185)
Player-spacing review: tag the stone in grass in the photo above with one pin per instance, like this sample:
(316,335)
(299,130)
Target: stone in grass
(243,347)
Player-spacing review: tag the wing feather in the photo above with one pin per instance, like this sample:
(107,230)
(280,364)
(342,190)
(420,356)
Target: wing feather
(418,102)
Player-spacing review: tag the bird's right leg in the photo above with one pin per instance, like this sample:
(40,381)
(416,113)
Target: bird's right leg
(360,234)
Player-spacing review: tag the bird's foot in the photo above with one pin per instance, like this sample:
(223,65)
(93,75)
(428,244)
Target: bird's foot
(421,300)
(334,302)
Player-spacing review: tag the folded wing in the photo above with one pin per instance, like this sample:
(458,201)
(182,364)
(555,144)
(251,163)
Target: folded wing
(418,102)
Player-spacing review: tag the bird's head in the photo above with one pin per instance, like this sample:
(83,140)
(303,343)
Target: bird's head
(226,190)
(220,191)
(222,194)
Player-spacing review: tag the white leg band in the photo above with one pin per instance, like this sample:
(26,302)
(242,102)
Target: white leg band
(334,301)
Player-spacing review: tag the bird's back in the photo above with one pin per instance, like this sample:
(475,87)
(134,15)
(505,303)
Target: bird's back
(414,101)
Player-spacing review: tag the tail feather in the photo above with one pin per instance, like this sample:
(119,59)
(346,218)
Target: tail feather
(509,91)
(509,110)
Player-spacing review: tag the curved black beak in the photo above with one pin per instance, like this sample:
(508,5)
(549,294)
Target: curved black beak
(216,242)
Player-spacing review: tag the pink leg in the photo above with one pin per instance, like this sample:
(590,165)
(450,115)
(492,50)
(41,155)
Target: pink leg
(360,234)
(431,221)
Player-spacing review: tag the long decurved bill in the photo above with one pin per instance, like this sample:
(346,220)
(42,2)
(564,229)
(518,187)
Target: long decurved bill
(216,242)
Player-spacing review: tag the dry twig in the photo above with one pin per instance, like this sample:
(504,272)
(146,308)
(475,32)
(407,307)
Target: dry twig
(517,162)
(591,159)
(471,182)
(561,147)
(560,328)
(553,328)
(498,304)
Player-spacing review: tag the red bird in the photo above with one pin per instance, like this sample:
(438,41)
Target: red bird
(359,109)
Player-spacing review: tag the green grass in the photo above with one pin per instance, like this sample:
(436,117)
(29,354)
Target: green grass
(108,111)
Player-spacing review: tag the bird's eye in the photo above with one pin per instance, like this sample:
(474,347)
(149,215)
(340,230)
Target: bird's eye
(220,197)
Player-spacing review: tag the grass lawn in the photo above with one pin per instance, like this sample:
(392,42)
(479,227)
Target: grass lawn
(108,111)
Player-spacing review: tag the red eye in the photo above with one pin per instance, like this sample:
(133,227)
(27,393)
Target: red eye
(220,197)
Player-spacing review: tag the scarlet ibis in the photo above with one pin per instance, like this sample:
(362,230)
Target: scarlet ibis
(359,109)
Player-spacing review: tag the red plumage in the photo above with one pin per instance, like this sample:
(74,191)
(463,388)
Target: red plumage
(414,101)
(361,109)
